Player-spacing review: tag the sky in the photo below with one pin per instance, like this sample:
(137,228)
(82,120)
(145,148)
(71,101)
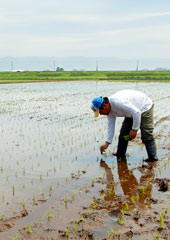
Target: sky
(90,28)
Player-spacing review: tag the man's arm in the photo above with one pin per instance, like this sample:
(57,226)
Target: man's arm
(110,133)
(110,128)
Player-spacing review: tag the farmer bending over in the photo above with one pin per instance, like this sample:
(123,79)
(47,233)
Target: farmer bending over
(137,108)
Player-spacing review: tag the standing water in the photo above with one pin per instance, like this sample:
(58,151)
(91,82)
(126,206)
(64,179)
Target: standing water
(50,159)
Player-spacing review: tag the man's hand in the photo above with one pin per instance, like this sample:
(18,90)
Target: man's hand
(104,147)
(133,133)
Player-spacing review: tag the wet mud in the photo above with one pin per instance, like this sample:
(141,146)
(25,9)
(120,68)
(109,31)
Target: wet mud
(140,211)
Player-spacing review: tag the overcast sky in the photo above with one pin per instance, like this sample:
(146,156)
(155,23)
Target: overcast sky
(108,28)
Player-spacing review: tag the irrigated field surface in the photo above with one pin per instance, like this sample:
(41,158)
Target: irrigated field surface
(54,182)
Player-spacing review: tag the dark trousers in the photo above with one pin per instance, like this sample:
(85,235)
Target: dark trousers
(147,136)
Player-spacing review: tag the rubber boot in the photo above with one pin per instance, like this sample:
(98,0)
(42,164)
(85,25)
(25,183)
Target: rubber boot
(151,151)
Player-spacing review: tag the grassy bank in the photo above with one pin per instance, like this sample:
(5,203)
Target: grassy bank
(14,77)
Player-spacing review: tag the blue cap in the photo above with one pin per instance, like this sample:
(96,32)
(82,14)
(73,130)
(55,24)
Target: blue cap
(96,104)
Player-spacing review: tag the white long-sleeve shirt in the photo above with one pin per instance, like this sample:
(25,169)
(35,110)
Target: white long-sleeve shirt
(127,103)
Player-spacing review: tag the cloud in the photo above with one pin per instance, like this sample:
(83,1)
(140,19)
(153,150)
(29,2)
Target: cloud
(103,18)
(44,30)
(98,44)
(139,16)
(18,16)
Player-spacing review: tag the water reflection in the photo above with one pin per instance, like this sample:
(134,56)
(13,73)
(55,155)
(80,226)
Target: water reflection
(138,192)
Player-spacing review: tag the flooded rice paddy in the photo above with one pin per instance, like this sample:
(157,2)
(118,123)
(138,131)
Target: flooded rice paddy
(54,183)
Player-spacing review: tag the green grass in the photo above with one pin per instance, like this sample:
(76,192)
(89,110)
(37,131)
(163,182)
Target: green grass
(45,76)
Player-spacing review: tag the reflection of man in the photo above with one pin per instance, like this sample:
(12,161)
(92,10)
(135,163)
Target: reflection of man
(137,108)
(129,183)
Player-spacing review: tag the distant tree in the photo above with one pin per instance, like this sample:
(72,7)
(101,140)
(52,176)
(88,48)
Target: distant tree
(59,69)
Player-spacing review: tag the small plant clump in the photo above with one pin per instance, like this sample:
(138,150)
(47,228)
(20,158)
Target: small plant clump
(15,237)
(28,229)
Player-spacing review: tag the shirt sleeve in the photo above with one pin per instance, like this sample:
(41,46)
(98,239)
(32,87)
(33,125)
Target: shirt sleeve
(111,128)
(131,111)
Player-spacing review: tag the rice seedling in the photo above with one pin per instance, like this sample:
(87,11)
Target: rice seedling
(133,199)
(23,203)
(80,190)
(143,190)
(28,229)
(107,236)
(122,212)
(130,172)
(1,169)
(42,193)
(103,196)
(164,212)
(2,216)
(72,175)
(49,215)
(93,204)
(72,194)
(15,237)
(13,211)
(111,191)
(3,196)
(51,187)
(41,177)
(121,220)
(92,180)
(137,197)
(112,230)
(161,223)
(67,232)
(33,197)
(13,189)
(66,200)
(126,206)
(157,236)
(74,225)
(42,221)
(121,179)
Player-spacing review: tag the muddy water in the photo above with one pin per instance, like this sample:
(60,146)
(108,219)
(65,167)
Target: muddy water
(51,167)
